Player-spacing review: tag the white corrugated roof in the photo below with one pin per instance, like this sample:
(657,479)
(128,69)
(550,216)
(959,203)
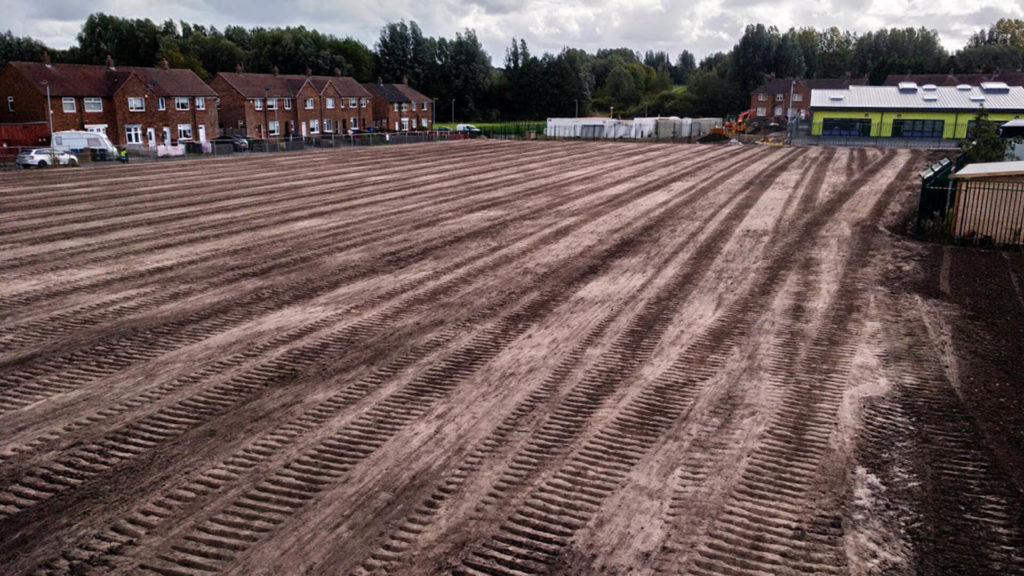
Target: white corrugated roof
(1013,124)
(941,98)
(991,169)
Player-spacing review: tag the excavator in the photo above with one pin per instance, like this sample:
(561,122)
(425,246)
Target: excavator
(738,126)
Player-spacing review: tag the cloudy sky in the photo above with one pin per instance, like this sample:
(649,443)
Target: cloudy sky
(700,26)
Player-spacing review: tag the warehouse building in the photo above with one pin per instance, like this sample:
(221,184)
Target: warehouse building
(911,111)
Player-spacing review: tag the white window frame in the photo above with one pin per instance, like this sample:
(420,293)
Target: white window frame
(798,97)
(161,103)
(184,129)
(271,103)
(405,106)
(396,106)
(353,102)
(353,123)
(257,103)
(778,110)
(200,103)
(181,103)
(287,103)
(136,104)
(329,103)
(761,112)
(365,101)
(97,105)
(424,123)
(328,126)
(780,97)
(273,128)
(308,104)
(65,101)
(762,97)
(10,103)
(133,134)
(424,107)
(314,125)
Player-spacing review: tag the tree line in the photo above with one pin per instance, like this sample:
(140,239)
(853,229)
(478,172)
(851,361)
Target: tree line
(529,86)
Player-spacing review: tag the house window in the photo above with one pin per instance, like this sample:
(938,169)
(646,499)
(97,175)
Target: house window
(405,124)
(354,123)
(10,103)
(274,128)
(287,103)
(405,107)
(351,102)
(328,126)
(309,103)
(133,134)
(917,128)
(272,104)
(424,107)
(423,122)
(93,104)
(396,106)
(798,97)
(778,110)
(314,126)
(780,97)
(181,103)
(136,104)
(329,103)
(365,100)
(845,127)
(184,131)
(200,103)
(762,97)
(68,104)
(258,103)
(161,104)
(761,112)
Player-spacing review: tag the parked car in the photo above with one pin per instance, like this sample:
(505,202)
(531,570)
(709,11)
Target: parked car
(238,143)
(444,129)
(43,157)
(468,129)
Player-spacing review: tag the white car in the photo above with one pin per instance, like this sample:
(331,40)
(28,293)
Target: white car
(43,157)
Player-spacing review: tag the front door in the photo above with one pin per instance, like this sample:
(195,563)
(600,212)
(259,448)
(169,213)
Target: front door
(302,126)
(151,137)
(202,132)
(167,136)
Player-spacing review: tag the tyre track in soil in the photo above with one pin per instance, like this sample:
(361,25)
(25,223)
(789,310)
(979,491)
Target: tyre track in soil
(16,377)
(328,245)
(612,205)
(507,446)
(221,256)
(160,220)
(955,505)
(46,439)
(535,534)
(350,445)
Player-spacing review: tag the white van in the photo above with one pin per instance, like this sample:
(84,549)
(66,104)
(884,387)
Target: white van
(76,141)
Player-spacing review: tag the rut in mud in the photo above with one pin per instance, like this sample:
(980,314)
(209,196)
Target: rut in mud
(529,358)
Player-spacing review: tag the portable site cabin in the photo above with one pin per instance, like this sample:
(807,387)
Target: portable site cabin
(672,127)
(703,126)
(989,207)
(592,128)
(643,128)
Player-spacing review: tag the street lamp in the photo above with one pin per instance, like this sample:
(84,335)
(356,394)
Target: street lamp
(266,113)
(611,112)
(577,104)
(49,109)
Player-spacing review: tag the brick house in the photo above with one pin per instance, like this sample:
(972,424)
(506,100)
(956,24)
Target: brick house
(397,107)
(133,106)
(290,105)
(771,100)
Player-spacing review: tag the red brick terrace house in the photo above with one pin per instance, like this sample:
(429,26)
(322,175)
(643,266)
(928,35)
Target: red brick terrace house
(131,105)
(397,107)
(280,105)
(771,100)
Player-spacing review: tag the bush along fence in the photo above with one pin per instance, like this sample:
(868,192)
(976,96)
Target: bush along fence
(986,213)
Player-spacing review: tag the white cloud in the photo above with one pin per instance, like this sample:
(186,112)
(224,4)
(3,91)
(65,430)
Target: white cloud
(701,27)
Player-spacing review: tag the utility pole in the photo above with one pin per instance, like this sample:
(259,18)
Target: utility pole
(577,103)
(453,110)
(49,109)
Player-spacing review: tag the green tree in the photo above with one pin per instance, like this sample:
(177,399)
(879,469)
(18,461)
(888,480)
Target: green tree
(20,49)
(983,143)
(685,65)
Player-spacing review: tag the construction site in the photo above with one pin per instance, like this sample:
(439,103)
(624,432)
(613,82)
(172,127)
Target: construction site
(504,358)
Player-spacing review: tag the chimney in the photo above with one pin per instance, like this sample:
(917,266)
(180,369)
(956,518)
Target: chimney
(276,71)
(46,59)
(110,62)
(164,64)
(238,68)
(309,71)
(337,72)
(405,80)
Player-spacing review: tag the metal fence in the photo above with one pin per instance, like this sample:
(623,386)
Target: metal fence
(874,142)
(988,213)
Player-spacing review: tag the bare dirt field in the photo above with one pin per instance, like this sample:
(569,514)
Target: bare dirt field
(504,358)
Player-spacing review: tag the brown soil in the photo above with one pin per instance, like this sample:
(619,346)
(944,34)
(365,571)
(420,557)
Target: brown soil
(503,358)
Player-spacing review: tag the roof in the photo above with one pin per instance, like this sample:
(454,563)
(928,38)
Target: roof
(1013,78)
(777,85)
(1019,123)
(92,80)
(397,93)
(251,85)
(969,98)
(991,170)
